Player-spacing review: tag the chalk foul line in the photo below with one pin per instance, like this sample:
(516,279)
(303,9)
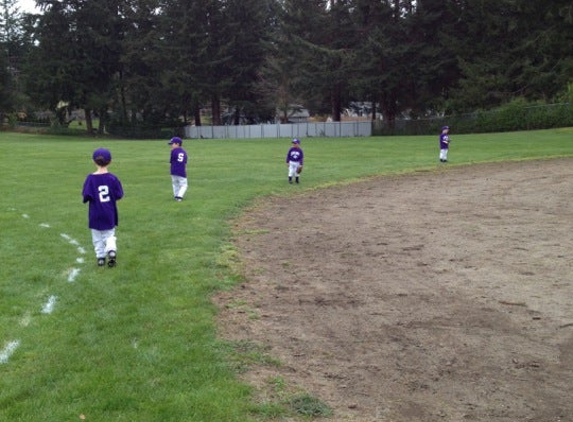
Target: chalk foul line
(8,350)
(49,306)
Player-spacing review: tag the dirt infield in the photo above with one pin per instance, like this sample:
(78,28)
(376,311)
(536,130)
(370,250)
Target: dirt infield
(436,296)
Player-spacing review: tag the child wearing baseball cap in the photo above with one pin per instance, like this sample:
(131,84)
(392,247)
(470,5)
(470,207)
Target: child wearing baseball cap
(178,160)
(444,144)
(101,191)
(294,161)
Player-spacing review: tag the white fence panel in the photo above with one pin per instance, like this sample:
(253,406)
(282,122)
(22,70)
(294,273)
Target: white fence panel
(294,130)
(269,131)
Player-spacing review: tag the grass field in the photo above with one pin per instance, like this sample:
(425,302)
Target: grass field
(138,342)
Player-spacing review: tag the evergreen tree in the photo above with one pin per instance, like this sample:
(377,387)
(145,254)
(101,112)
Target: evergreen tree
(12,51)
(49,64)
(248,22)
(512,49)
(374,63)
(544,54)
(320,35)
(280,78)
(77,57)
(138,79)
(214,61)
(202,44)
(433,61)
(155,61)
(484,44)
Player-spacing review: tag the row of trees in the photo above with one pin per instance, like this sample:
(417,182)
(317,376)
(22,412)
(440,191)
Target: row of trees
(157,62)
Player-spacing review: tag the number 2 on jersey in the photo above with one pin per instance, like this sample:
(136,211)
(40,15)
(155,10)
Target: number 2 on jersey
(103,193)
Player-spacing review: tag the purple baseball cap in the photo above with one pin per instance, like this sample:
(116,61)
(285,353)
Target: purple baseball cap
(175,140)
(445,127)
(102,153)
(295,141)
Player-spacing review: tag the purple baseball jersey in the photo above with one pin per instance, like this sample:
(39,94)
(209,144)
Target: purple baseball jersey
(444,141)
(295,154)
(178,162)
(102,191)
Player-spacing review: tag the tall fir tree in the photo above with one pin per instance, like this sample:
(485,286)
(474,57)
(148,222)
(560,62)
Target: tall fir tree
(13,47)
(79,45)
(249,23)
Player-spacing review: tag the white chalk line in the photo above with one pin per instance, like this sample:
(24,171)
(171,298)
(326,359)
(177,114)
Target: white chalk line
(74,272)
(26,319)
(8,350)
(50,304)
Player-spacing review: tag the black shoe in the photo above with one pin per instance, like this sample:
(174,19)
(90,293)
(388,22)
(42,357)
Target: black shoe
(111,258)
(297,180)
(178,198)
(100,262)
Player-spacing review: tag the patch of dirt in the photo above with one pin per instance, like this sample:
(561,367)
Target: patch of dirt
(436,296)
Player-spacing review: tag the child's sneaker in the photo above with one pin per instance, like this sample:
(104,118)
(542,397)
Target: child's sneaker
(100,262)
(111,255)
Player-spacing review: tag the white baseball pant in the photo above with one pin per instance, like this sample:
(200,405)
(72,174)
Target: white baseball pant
(179,186)
(104,241)
(292,166)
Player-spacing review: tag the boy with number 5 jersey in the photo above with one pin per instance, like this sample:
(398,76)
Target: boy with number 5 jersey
(178,168)
(102,190)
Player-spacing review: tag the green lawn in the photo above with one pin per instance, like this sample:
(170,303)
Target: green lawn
(138,342)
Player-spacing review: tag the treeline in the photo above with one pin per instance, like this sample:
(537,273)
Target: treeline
(152,63)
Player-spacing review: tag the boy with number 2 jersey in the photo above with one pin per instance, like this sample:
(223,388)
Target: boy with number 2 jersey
(102,190)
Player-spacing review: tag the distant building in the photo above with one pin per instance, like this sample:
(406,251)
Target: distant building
(295,114)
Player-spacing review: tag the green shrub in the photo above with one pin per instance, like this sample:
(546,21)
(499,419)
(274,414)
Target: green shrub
(515,116)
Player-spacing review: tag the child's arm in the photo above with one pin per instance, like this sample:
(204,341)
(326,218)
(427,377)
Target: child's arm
(85,192)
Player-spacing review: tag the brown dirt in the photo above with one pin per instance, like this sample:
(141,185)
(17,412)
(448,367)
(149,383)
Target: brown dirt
(436,296)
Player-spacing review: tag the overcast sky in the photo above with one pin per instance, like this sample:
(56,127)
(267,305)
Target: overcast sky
(27,6)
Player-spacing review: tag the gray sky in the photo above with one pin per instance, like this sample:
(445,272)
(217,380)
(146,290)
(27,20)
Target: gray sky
(27,6)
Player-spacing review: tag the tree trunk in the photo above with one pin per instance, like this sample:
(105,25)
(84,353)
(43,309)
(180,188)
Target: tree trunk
(197,116)
(336,104)
(122,99)
(236,117)
(102,120)
(389,108)
(89,121)
(196,110)
(216,110)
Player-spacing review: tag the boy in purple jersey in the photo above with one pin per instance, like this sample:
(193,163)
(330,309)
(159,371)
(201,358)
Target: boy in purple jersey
(444,144)
(178,168)
(102,190)
(294,160)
